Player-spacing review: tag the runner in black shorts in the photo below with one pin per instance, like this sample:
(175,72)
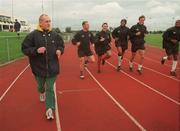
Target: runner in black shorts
(171,38)
(102,45)
(137,34)
(121,36)
(83,39)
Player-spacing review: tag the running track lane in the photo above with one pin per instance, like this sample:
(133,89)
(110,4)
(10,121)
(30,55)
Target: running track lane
(9,72)
(150,109)
(83,105)
(21,109)
(166,85)
(156,64)
(153,61)
(85,91)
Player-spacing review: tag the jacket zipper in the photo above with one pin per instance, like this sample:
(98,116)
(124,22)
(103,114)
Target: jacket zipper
(46,44)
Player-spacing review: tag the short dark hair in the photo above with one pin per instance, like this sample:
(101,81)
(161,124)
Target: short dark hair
(124,20)
(142,16)
(177,23)
(105,23)
(84,22)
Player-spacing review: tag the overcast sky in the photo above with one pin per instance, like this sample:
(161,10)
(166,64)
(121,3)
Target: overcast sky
(160,14)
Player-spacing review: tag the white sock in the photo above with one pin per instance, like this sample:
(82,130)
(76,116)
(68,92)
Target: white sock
(174,64)
(165,57)
(139,67)
(130,64)
(119,60)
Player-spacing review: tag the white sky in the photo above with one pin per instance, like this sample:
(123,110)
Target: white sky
(160,14)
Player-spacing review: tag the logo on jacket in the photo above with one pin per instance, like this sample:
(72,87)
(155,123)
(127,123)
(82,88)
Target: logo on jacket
(82,36)
(89,35)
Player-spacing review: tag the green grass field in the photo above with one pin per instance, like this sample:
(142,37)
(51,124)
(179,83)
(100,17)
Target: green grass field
(154,40)
(10,40)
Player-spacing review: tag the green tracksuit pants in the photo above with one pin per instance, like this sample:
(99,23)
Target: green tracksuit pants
(46,85)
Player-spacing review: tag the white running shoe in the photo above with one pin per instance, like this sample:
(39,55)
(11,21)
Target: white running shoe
(42,97)
(82,77)
(49,114)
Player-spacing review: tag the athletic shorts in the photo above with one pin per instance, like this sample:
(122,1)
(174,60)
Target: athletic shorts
(123,46)
(134,48)
(102,51)
(83,53)
(172,50)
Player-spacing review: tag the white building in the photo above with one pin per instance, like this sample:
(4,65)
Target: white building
(6,24)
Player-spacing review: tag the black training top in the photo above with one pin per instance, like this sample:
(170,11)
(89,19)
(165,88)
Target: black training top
(122,33)
(85,39)
(138,39)
(102,44)
(169,34)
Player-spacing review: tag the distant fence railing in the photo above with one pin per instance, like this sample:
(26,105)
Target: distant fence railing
(67,37)
(10,46)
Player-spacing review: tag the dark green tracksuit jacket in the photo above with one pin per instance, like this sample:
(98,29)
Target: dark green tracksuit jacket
(47,64)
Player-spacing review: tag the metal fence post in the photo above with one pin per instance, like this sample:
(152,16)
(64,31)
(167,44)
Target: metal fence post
(8,53)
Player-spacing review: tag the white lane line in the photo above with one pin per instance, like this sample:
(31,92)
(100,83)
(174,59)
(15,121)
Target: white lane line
(150,59)
(159,62)
(76,90)
(3,95)
(58,124)
(147,86)
(117,103)
(155,61)
(157,72)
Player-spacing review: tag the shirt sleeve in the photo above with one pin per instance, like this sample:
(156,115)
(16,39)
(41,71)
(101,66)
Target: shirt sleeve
(28,45)
(109,40)
(76,38)
(114,33)
(166,35)
(60,43)
(92,38)
(97,38)
(132,32)
(146,31)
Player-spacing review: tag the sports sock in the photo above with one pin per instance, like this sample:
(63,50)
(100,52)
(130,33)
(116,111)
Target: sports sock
(119,60)
(130,64)
(174,64)
(139,67)
(165,57)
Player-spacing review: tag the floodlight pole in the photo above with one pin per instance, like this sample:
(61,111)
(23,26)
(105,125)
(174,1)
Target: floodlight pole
(12,9)
(52,13)
(42,6)
(173,18)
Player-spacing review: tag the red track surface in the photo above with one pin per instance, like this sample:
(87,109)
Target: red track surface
(152,99)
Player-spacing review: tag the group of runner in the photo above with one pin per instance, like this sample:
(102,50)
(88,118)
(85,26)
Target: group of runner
(44,47)
(102,41)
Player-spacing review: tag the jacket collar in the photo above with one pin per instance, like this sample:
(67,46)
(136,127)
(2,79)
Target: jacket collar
(41,30)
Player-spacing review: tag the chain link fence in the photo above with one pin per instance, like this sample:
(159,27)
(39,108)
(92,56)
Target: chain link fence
(10,46)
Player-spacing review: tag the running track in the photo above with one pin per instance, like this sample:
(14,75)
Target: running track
(110,101)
